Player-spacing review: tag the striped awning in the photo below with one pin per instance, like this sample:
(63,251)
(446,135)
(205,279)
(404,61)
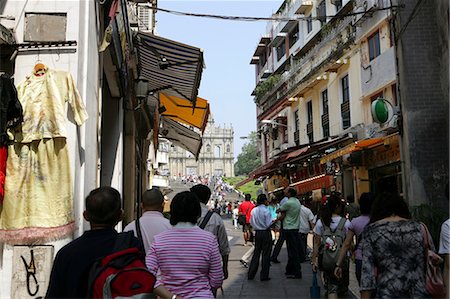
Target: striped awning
(181,136)
(170,66)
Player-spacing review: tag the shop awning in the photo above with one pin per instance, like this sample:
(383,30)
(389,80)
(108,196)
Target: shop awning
(170,66)
(318,182)
(180,135)
(355,146)
(183,111)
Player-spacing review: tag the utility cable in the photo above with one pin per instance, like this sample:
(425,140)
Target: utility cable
(251,19)
(411,17)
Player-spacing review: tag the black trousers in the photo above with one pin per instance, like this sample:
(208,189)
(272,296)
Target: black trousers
(293,266)
(278,245)
(263,245)
(303,246)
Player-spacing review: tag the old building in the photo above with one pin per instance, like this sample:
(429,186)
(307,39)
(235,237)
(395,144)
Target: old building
(320,75)
(216,156)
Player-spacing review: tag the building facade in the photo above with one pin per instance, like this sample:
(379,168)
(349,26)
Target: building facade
(216,155)
(319,77)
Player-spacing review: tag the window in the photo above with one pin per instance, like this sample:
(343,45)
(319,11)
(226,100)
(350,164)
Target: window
(325,101)
(281,50)
(322,13)
(345,106)
(309,24)
(228,148)
(374,45)
(338,4)
(293,36)
(325,117)
(345,89)
(309,126)
(310,112)
(296,120)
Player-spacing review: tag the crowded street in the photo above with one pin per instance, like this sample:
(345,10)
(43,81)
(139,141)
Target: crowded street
(186,149)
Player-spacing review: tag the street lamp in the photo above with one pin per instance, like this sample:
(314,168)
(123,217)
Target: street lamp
(272,122)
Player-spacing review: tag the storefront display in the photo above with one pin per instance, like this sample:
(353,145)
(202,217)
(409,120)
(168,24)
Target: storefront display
(38,204)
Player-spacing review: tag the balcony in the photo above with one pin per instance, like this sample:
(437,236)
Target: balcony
(330,45)
(379,72)
(303,6)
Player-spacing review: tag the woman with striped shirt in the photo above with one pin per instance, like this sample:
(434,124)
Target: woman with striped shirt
(186,258)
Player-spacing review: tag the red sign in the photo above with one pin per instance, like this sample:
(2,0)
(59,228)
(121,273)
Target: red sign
(317,183)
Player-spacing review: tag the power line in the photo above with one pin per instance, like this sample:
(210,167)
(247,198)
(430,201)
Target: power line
(255,19)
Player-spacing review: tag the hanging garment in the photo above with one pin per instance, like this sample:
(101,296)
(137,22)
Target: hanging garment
(38,193)
(3,157)
(43,99)
(38,204)
(10,108)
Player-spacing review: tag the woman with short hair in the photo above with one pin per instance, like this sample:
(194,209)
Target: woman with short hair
(186,257)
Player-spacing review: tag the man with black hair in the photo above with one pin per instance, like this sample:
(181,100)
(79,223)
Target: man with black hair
(70,272)
(290,215)
(152,221)
(214,224)
(245,209)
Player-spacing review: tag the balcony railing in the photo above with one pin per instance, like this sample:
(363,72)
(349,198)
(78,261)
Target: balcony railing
(297,137)
(325,119)
(309,128)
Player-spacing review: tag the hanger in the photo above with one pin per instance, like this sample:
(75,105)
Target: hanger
(39,68)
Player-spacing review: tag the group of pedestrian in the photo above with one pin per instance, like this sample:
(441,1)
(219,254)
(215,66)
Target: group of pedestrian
(378,233)
(187,255)
(263,222)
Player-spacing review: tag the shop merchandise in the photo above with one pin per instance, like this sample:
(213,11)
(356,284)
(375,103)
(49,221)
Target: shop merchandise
(38,190)
(10,116)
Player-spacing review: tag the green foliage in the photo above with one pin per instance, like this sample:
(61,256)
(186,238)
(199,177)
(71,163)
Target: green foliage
(267,85)
(250,187)
(249,159)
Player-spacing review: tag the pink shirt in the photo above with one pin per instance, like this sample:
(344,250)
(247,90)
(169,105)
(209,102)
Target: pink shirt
(188,261)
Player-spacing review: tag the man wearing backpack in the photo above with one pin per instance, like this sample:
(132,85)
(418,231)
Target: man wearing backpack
(213,223)
(73,262)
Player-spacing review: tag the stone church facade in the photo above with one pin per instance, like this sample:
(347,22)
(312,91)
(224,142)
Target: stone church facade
(216,155)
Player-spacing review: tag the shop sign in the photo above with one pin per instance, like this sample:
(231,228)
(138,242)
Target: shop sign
(382,111)
(383,156)
(324,181)
(276,182)
(31,267)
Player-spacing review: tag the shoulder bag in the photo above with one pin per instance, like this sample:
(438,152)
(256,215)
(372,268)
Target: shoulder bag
(433,275)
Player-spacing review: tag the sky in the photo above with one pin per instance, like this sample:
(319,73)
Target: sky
(228,46)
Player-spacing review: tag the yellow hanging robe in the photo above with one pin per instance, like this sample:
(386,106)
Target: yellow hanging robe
(38,204)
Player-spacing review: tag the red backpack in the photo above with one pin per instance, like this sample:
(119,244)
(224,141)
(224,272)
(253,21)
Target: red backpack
(122,273)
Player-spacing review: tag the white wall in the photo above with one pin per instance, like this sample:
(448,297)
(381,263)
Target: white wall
(83,65)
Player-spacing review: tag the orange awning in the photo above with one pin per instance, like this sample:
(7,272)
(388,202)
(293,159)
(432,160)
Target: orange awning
(183,111)
(355,146)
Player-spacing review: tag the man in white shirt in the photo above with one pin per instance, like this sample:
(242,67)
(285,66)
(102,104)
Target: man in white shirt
(152,221)
(306,225)
(261,220)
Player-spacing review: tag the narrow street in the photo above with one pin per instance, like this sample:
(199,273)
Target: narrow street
(237,285)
